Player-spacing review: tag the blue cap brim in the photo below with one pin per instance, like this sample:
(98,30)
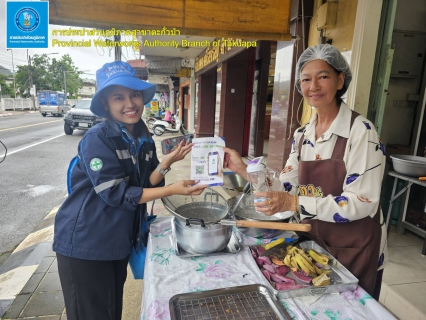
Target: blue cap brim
(147,89)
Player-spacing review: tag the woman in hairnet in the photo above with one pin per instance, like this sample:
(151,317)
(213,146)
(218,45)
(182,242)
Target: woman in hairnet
(333,176)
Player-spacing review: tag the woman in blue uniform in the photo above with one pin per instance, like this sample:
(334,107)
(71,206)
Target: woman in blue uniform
(115,174)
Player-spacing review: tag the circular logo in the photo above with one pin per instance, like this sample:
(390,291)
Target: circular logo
(27,19)
(96,164)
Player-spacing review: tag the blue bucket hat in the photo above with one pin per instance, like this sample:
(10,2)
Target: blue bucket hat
(119,73)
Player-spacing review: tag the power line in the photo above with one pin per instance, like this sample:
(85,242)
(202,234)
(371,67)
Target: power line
(14,52)
(9,62)
(17,59)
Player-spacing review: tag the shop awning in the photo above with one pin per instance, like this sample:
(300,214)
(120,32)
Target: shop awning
(244,19)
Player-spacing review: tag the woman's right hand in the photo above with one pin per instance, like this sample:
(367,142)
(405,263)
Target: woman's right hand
(234,162)
(188,187)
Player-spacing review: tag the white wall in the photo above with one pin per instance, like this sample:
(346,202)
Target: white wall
(363,54)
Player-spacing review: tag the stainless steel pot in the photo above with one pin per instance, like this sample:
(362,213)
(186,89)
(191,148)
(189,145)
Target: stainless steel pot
(196,221)
(246,211)
(194,236)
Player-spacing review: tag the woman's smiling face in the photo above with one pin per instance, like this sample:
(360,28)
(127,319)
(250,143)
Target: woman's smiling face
(124,105)
(319,83)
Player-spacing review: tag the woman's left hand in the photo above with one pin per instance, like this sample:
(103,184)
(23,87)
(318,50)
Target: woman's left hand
(182,150)
(278,201)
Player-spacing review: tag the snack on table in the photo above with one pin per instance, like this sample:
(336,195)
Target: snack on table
(307,267)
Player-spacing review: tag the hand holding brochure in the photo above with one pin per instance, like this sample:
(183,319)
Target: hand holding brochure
(207,161)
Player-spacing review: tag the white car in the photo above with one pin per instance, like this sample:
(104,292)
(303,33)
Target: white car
(80,117)
(54,110)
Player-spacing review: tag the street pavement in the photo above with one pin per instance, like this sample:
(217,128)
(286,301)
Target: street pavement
(32,179)
(29,282)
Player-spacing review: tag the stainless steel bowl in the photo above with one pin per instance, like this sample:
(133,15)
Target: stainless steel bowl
(246,211)
(234,181)
(409,165)
(194,236)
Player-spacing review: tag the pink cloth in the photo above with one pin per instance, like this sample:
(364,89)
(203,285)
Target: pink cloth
(168,116)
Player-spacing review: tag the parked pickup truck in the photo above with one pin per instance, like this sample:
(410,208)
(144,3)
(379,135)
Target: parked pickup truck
(80,117)
(52,102)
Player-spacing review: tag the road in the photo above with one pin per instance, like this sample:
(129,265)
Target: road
(33,175)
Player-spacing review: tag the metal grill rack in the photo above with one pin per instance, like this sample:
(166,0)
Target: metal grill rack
(255,303)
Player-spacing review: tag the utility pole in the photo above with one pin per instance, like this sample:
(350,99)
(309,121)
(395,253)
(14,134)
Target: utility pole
(13,70)
(117,49)
(65,86)
(30,76)
(65,80)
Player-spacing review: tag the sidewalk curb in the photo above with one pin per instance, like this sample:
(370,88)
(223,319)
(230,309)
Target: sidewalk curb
(24,261)
(13,113)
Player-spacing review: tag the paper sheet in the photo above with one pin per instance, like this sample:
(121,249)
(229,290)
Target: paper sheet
(207,161)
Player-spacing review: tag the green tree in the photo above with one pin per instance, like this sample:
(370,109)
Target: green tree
(72,75)
(6,89)
(49,74)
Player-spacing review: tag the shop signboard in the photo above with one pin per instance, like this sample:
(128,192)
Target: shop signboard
(220,50)
(154,107)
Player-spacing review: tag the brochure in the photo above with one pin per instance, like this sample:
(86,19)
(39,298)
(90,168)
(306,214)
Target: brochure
(207,160)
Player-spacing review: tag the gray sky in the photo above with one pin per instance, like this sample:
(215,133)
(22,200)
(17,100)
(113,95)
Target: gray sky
(84,58)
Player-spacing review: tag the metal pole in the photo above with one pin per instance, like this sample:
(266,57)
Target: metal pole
(31,80)
(13,70)
(117,48)
(65,86)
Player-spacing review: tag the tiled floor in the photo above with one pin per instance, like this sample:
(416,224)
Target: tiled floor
(404,278)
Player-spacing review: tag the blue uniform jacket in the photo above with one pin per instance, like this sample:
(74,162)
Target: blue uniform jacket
(101,218)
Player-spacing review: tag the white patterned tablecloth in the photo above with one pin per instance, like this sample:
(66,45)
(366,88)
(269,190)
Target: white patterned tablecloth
(167,275)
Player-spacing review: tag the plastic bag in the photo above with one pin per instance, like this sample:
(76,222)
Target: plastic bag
(137,262)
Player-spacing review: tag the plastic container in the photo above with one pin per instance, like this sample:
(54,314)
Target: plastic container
(257,176)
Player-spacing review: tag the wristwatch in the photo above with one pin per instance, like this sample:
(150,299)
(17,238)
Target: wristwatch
(163,172)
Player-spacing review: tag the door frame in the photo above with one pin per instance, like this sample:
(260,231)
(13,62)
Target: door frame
(363,52)
(382,65)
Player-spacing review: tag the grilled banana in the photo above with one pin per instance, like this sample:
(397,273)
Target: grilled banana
(291,250)
(305,265)
(293,262)
(318,270)
(318,257)
(321,280)
(287,261)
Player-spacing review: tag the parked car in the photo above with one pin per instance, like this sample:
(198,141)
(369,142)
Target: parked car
(52,102)
(80,117)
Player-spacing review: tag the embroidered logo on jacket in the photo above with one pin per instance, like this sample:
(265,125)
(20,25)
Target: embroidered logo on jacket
(96,164)
(310,191)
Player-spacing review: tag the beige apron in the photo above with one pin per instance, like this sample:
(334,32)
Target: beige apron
(356,244)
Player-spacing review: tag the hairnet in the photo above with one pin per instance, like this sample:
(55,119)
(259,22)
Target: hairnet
(329,54)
